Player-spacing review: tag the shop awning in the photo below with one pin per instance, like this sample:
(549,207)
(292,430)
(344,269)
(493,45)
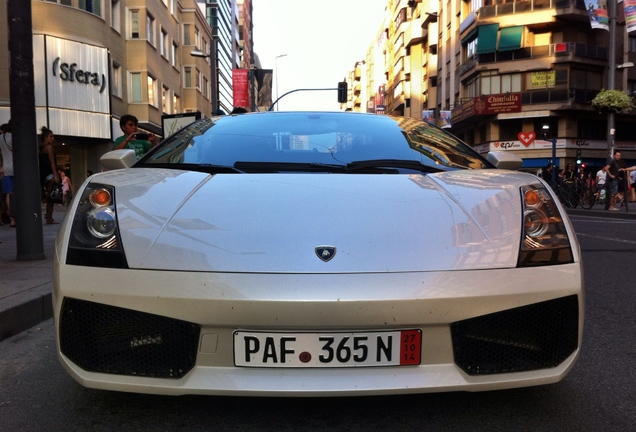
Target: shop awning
(510,38)
(487,38)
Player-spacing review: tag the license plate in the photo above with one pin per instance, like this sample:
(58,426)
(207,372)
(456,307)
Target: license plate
(319,350)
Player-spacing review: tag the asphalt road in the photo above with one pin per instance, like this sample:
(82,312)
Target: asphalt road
(598,395)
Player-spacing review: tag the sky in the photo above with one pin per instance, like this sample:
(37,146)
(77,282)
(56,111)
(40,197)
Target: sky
(322,41)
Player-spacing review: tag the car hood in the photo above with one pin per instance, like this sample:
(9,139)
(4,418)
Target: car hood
(181,220)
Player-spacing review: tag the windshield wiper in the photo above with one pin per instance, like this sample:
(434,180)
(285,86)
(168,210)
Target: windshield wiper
(390,166)
(206,168)
(275,167)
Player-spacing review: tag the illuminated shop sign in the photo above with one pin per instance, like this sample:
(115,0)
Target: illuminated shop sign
(72,87)
(72,72)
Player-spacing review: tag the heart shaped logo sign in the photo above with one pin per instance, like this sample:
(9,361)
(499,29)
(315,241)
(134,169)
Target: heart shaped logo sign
(526,138)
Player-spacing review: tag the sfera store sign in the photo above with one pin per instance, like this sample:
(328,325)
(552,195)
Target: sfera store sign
(72,87)
(71,75)
(72,72)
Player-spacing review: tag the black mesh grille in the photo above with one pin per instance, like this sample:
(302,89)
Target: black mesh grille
(537,336)
(108,339)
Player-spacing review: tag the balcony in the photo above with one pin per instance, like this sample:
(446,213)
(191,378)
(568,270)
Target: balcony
(465,109)
(562,52)
(521,6)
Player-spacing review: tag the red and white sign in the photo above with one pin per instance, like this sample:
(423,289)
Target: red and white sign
(526,138)
(239,85)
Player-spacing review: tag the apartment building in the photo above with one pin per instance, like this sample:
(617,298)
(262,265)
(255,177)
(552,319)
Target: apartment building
(508,75)
(97,60)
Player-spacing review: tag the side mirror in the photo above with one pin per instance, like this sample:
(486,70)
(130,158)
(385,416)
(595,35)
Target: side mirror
(504,160)
(342,92)
(118,159)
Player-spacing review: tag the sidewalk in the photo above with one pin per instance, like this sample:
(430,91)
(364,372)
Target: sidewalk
(25,286)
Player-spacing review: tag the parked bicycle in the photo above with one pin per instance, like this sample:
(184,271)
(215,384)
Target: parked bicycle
(581,191)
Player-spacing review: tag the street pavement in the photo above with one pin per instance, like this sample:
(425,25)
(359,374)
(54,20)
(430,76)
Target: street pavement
(25,286)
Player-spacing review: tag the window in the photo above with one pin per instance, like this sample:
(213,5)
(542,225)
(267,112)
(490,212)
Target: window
(164,43)
(197,79)
(92,6)
(134,24)
(176,103)
(174,54)
(165,99)
(205,88)
(115,15)
(509,129)
(116,89)
(187,76)
(497,84)
(135,87)
(152,91)
(187,38)
(150,29)
(197,38)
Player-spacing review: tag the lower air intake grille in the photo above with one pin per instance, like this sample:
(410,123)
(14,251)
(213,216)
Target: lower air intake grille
(537,336)
(108,339)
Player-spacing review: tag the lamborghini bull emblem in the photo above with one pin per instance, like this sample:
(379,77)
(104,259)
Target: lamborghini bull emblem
(325,253)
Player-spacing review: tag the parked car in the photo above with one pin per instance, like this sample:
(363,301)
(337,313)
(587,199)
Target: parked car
(316,254)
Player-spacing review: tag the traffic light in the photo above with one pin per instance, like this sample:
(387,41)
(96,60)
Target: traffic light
(578,157)
(342,92)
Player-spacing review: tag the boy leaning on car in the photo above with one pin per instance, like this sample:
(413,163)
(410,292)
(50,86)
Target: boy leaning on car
(132,137)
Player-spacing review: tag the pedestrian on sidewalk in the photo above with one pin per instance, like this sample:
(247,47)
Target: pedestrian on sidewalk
(601,177)
(67,187)
(6,167)
(132,139)
(613,178)
(48,170)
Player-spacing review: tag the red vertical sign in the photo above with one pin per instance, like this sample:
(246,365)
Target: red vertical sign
(240,88)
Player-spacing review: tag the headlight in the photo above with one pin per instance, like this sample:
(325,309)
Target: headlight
(545,239)
(94,239)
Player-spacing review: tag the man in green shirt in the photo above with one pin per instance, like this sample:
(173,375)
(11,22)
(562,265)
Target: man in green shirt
(132,138)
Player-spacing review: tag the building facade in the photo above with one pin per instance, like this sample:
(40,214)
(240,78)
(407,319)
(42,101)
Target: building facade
(95,61)
(508,75)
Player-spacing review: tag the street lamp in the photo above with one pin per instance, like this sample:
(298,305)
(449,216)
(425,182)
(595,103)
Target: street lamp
(213,73)
(276,65)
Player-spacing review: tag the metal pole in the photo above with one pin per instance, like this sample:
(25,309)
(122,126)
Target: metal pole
(214,85)
(554,165)
(276,65)
(611,74)
(27,197)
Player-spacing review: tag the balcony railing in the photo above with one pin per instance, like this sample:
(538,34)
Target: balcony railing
(521,6)
(559,50)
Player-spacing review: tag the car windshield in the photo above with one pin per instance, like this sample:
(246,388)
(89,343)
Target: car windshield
(312,142)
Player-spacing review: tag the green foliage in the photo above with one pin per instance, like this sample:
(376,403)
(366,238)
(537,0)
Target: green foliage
(612,101)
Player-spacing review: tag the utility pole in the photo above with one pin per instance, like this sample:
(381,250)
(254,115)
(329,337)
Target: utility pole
(611,75)
(27,197)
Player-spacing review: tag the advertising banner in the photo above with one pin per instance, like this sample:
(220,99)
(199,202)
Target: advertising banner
(597,11)
(240,83)
(264,83)
(487,105)
(630,15)
(542,79)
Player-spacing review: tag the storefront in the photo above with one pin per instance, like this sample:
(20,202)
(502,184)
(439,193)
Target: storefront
(72,98)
